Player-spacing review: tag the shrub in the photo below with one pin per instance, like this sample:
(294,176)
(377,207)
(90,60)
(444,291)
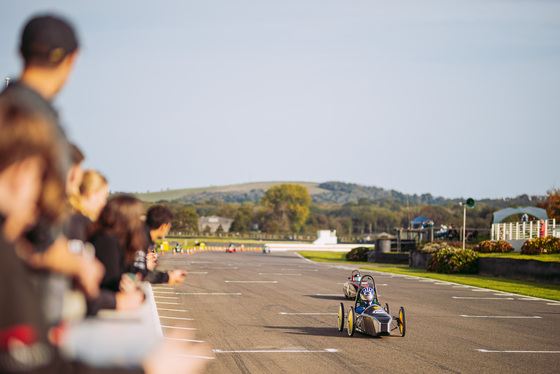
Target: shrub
(454,261)
(489,246)
(434,247)
(548,245)
(358,254)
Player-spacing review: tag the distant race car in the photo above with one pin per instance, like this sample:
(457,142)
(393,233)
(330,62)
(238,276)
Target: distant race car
(266,249)
(349,289)
(367,316)
(231,249)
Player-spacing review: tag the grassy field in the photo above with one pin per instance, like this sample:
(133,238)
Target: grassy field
(519,256)
(528,288)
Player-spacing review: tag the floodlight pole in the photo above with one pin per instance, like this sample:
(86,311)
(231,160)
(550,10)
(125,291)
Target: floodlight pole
(464,223)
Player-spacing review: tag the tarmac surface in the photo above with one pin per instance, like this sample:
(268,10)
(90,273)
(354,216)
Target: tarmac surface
(277,313)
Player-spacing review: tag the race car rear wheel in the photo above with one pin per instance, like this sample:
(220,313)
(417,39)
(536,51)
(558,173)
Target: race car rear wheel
(341,317)
(351,321)
(401,320)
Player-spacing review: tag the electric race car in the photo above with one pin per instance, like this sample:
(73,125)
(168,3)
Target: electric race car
(368,316)
(350,288)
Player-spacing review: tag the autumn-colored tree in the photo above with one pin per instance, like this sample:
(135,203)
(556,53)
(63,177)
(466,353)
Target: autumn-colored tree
(289,204)
(552,203)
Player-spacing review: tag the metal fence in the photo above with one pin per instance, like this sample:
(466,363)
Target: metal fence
(523,230)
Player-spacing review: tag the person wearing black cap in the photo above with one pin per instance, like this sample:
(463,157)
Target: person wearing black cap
(49,48)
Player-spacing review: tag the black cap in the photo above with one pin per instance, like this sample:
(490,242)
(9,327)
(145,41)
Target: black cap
(47,38)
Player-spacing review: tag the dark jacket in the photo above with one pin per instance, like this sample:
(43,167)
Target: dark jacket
(112,256)
(139,265)
(21,319)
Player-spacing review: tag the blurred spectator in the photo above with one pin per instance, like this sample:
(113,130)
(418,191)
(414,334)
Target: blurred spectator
(158,224)
(87,202)
(117,235)
(34,165)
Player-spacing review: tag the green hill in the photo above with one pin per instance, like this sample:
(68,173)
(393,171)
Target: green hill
(234,192)
(327,192)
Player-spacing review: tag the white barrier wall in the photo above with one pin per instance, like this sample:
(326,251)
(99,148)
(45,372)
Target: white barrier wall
(314,247)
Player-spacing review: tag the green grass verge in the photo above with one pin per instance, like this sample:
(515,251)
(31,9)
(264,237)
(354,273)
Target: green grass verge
(528,288)
(518,256)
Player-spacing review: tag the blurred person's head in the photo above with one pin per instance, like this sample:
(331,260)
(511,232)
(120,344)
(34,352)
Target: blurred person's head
(30,155)
(48,45)
(92,194)
(121,217)
(158,219)
(75,173)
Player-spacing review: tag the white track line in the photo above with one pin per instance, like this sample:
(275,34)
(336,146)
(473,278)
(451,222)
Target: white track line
(489,351)
(181,318)
(165,302)
(178,328)
(165,293)
(515,317)
(165,297)
(328,350)
(300,269)
(172,310)
(482,298)
(303,258)
(309,314)
(186,340)
(228,281)
(162,288)
(211,293)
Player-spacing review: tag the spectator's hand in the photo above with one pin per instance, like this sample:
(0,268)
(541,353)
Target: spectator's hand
(176,356)
(176,276)
(130,296)
(127,284)
(151,261)
(129,300)
(90,275)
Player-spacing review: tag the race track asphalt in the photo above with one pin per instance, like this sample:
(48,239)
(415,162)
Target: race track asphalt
(277,313)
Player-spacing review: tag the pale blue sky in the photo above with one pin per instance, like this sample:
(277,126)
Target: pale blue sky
(448,97)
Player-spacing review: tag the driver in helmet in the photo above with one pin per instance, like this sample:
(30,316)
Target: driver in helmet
(367,297)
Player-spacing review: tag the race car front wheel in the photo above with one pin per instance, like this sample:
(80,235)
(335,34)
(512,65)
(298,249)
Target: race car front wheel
(402,321)
(351,321)
(341,317)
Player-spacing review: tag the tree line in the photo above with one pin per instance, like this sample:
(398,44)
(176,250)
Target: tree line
(289,209)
